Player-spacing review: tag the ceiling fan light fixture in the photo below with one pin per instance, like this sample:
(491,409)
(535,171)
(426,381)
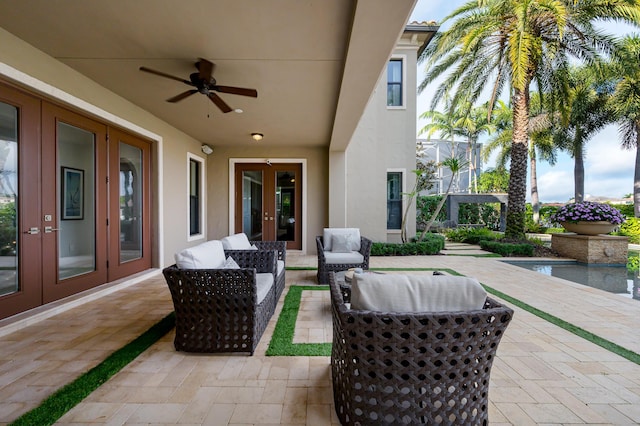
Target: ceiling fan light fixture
(257,136)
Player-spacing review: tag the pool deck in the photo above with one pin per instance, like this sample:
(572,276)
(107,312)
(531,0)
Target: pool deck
(543,374)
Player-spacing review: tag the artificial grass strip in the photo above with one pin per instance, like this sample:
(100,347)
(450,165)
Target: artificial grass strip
(70,395)
(282,341)
(578,331)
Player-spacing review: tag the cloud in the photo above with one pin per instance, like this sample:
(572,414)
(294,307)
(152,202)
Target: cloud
(605,156)
(555,185)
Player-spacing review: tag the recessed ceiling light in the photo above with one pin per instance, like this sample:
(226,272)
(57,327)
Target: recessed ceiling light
(257,136)
(238,110)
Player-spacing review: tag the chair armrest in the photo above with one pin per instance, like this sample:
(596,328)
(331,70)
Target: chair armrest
(264,261)
(320,247)
(279,246)
(365,248)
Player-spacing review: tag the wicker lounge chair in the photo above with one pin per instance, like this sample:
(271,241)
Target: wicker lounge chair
(413,368)
(325,264)
(217,310)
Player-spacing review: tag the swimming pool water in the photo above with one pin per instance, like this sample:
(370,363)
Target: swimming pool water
(614,279)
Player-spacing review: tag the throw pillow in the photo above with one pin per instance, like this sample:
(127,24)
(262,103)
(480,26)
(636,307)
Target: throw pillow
(341,243)
(230,263)
(236,242)
(415,293)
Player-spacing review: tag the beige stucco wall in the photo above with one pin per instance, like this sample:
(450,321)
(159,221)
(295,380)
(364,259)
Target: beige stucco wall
(316,186)
(384,139)
(29,68)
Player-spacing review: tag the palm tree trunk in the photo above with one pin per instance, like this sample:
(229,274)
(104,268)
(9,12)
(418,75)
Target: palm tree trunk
(578,175)
(636,177)
(516,200)
(535,198)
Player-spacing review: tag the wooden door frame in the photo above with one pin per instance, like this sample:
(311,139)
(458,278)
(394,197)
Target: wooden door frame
(29,294)
(232,191)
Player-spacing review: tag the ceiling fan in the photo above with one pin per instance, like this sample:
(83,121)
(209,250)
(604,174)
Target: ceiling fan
(204,83)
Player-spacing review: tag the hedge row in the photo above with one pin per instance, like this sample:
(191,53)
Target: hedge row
(432,244)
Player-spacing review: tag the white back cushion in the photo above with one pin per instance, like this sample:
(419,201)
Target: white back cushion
(236,242)
(415,293)
(328,233)
(209,255)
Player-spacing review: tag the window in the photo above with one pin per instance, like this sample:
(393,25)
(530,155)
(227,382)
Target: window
(394,83)
(394,200)
(196,202)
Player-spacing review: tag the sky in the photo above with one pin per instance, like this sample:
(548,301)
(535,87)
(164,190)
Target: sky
(608,168)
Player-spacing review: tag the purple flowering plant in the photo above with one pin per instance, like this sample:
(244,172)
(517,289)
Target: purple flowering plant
(588,211)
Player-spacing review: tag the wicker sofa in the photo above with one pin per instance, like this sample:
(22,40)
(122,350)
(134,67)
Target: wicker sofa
(221,308)
(413,368)
(330,259)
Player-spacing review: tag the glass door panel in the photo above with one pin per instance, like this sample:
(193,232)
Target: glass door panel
(76,207)
(286,205)
(130,202)
(9,282)
(252,184)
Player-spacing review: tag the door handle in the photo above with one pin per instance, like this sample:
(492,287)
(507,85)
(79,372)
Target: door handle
(49,229)
(32,231)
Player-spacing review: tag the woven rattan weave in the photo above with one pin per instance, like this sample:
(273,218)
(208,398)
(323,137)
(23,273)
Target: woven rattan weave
(324,268)
(217,309)
(413,368)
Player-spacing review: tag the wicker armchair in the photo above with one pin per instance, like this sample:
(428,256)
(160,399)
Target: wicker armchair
(280,247)
(413,368)
(324,268)
(217,310)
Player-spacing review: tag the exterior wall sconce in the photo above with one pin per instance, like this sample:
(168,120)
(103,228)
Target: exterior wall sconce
(257,136)
(207,149)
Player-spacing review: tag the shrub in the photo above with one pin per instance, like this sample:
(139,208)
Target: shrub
(631,229)
(507,249)
(633,262)
(471,235)
(587,211)
(432,244)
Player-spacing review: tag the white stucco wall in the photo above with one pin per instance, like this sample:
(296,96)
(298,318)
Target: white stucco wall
(384,140)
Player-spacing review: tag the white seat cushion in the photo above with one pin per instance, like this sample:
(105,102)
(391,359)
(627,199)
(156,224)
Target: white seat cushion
(354,239)
(352,257)
(209,255)
(236,242)
(280,264)
(415,293)
(264,282)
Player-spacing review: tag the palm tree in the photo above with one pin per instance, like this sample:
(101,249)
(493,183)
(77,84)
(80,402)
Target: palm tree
(540,143)
(493,43)
(585,112)
(472,125)
(625,102)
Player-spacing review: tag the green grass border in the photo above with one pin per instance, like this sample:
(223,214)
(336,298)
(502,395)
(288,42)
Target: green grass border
(281,343)
(70,395)
(578,331)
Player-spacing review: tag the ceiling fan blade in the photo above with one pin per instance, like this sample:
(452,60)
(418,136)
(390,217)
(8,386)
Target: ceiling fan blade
(182,95)
(219,102)
(237,91)
(206,69)
(162,74)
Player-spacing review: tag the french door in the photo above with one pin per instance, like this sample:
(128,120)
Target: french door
(74,203)
(268,202)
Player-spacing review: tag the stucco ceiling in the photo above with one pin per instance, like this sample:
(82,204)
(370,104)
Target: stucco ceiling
(314,63)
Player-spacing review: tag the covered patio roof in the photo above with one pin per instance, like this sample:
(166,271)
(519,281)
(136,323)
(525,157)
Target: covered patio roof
(313,63)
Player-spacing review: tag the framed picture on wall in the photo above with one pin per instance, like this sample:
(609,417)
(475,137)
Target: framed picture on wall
(72,194)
